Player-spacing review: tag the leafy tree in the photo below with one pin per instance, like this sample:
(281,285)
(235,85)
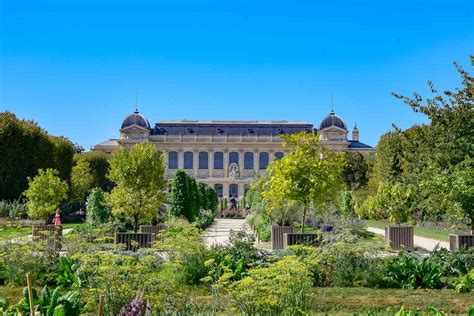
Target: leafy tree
(395,201)
(310,173)
(356,170)
(44,193)
(24,148)
(347,204)
(179,196)
(99,167)
(388,166)
(212,200)
(140,184)
(203,194)
(97,210)
(437,156)
(82,180)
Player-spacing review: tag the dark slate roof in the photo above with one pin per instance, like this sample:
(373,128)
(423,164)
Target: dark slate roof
(358,145)
(137,119)
(332,120)
(190,127)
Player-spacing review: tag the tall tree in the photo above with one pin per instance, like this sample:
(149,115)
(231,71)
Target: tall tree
(99,167)
(356,171)
(45,191)
(140,184)
(441,169)
(180,196)
(82,180)
(310,173)
(25,148)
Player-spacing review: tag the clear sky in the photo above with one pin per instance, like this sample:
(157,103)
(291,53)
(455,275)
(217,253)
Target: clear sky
(74,66)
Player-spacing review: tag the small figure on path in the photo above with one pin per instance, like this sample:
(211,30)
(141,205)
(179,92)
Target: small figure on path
(57,219)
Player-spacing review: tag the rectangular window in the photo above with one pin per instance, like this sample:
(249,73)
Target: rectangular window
(173,160)
(188,160)
(203,160)
(248,161)
(219,160)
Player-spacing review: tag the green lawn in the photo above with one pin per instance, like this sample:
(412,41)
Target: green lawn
(362,300)
(12,231)
(438,234)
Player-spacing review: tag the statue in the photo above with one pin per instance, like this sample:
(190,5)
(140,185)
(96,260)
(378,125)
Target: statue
(234,170)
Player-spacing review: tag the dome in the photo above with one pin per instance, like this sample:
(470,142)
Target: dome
(136,119)
(332,120)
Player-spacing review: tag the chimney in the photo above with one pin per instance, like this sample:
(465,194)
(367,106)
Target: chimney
(355,133)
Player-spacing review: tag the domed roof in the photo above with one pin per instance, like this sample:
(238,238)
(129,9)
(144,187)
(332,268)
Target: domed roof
(332,120)
(137,119)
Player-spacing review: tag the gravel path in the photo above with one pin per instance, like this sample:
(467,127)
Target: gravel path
(219,231)
(427,243)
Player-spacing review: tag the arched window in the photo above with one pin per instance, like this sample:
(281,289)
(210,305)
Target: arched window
(188,160)
(218,189)
(263,160)
(248,160)
(219,160)
(233,190)
(279,155)
(233,158)
(173,160)
(203,160)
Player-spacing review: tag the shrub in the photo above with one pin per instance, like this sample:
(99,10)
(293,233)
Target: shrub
(98,211)
(14,209)
(283,287)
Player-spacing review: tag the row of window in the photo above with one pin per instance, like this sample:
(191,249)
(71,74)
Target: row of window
(264,158)
(233,190)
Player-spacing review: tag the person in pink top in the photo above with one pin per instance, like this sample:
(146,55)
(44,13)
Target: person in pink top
(57,218)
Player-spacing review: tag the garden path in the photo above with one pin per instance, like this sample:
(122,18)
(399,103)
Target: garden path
(219,231)
(423,242)
(30,237)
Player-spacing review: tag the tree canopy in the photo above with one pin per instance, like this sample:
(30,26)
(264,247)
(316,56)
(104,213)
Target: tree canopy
(310,173)
(24,148)
(45,191)
(140,185)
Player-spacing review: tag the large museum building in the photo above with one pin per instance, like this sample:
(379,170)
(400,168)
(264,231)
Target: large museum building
(227,155)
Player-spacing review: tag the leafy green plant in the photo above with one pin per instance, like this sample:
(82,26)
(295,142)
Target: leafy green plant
(282,287)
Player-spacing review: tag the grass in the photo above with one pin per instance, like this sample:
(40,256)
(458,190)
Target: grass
(351,300)
(438,234)
(9,231)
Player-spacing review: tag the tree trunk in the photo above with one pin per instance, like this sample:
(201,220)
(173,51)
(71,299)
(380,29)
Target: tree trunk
(135,223)
(304,217)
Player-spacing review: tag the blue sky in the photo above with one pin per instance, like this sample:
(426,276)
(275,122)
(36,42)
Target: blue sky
(74,66)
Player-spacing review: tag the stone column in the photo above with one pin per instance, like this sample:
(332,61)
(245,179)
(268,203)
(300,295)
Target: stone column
(226,163)
(225,190)
(271,157)
(195,162)
(241,161)
(211,163)
(241,192)
(256,160)
(180,159)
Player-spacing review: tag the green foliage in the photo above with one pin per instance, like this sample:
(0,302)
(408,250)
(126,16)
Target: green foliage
(310,173)
(16,259)
(13,209)
(347,204)
(282,287)
(140,184)
(184,246)
(356,170)
(25,148)
(82,180)
(98,164)
(97,210)
(435,158)
(44,193)
(195,202)
(396,202)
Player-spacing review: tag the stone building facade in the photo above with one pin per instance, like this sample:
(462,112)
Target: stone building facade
(227,155)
